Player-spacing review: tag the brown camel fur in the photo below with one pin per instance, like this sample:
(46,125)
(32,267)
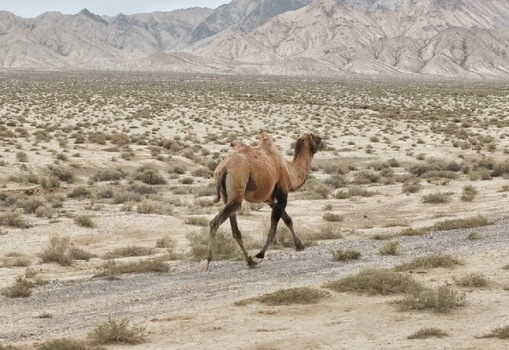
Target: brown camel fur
(261,174)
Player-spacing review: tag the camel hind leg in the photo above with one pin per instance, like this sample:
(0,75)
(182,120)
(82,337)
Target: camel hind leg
(228,210)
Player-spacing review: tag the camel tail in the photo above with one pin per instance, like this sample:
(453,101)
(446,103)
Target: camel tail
(220,185)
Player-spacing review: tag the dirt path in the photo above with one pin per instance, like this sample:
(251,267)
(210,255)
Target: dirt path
(187,307)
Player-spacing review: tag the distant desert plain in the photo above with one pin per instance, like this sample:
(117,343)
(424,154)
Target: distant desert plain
(106,193)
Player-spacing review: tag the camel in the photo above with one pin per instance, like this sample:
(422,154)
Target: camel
(260,174)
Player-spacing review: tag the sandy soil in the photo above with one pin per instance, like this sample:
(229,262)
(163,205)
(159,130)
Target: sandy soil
(187,308)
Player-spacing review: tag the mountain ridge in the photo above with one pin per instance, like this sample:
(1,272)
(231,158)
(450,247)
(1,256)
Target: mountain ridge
(450,38)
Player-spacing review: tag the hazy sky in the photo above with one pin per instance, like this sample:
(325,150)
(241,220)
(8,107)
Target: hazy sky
(33,8)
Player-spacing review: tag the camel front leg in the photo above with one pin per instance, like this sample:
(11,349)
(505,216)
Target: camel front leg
(289,223)
(238,237)
(278,209)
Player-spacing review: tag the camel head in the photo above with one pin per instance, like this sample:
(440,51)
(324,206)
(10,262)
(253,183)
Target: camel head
(310,142)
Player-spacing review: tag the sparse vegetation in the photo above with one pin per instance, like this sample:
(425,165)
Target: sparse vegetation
(373,282)
(114,331)
(425,333)
(346,254)
(429,262)
(440,300)
(303,295)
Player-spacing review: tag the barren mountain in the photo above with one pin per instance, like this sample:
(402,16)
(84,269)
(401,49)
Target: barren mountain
(466,38)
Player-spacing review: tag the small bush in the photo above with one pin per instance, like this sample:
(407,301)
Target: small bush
(373,282)
(57,251)
(473,280)
(13,219)
(117,332)
(428,333)
(302,295)
(500,333)
(331,217)
(226,247)
(436,198)
(390,248)
(84,221)
(469,193)
(151,177)
(429,262)
(22,288)
(476,221)
(345,254)
(79,192)
(129,251)
(440,300)
(112,269)
(197,221)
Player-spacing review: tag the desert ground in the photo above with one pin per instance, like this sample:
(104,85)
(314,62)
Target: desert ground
(106,193)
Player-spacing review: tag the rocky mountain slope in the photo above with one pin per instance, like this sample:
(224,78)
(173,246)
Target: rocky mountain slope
(466,38)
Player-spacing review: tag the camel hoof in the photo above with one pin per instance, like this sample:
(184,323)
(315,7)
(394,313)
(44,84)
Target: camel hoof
(300,247)
(252,262)
(260,255)
(204,265)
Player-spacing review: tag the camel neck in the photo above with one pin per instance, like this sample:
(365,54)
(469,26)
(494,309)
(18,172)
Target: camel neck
(300,168)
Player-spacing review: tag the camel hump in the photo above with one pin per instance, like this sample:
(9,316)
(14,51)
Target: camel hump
(239,145)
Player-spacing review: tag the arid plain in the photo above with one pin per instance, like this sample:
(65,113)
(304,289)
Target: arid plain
(107,191)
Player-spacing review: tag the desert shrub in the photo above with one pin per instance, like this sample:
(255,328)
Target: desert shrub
(150,177)
(197,221)
(345,254)
(49,182)
(13,219)
(226,247)
(336,181)
(469,193)
(500,333)
(425,333)
(120,139)
(412,185)
(21,157)
(30,205)
(331,217)
(440,300)
(105,193)
(373,282)
(390,248)
(63,174)
(126,196)
(436,198)
(366,177)
(128,251)
(202,172)
(354,191)
(327,231)
(165,242)
(476,221)
(473,280)
(22,288)
(109,175)
(117,332)
(57,251)
(142,189)
(112,269)
(84,221)
(429,262)
(79,192)
(302,295)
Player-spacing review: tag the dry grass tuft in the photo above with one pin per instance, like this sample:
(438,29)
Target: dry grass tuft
(429,262)
(439,300)
(117,332)
(426,333)
(302,295)
(500,333)
(374,282)
(345,254)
